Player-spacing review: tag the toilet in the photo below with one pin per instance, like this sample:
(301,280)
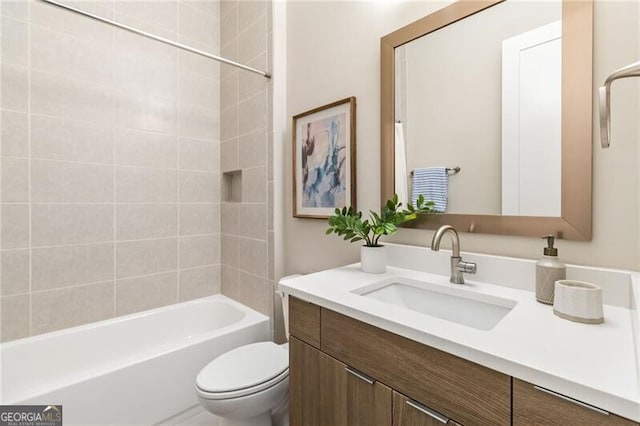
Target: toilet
(248,385)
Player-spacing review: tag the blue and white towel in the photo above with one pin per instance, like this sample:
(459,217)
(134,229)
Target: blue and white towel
(433,184)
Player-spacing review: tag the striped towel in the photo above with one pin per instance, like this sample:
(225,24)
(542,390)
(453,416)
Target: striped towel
(433,184)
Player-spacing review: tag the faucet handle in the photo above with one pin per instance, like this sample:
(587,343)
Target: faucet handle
(467,267)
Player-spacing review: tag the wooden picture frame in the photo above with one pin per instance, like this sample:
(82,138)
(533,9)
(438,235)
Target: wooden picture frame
(324,159)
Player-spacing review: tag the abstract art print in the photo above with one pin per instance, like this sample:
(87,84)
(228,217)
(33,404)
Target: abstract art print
(324,161)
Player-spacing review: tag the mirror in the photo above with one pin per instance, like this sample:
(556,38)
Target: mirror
(506,83)
(498,94)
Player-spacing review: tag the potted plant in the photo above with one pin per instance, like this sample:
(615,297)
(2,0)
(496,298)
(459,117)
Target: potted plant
(349,224)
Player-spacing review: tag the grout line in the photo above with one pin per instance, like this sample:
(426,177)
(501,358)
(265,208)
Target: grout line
(178,146)
(256,57)
(153,274)
(72,286)
(249,133)
(270,267)
(228,11)
(104,11)
(13,18)
(203,11)
(194,268)
(73,79)
(128,166)
(97,124)
(129,277)
(237,135)
(149,26)
(29,169)
(114,170)
(238,269)
(197,75)
(109,88)
(14,111)
(252,23)
(83,203)
(108,203)
(114,242)
(198,107)
(198,44)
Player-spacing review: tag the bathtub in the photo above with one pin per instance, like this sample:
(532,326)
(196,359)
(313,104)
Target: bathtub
(134,369)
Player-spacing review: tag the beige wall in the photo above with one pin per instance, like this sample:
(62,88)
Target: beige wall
(110,174)
(333,52)
(246,136)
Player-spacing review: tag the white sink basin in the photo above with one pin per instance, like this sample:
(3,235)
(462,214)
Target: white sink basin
(476,310)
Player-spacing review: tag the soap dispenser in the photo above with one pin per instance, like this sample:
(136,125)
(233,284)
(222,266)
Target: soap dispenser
(548,270)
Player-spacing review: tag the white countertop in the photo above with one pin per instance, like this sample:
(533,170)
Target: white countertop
(596,364)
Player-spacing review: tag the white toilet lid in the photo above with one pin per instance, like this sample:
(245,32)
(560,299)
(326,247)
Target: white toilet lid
(244,367)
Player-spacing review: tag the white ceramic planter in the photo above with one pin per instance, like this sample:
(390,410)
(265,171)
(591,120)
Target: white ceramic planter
(373,260)
(578,301)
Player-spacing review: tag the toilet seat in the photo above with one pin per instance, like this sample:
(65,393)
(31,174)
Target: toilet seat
(244,392)
(244,371)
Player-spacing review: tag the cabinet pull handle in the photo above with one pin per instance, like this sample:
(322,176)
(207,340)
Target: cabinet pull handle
(428,411)
(575,401)
(360,375)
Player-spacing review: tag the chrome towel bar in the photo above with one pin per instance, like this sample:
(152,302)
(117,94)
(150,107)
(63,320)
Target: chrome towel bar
(450,170)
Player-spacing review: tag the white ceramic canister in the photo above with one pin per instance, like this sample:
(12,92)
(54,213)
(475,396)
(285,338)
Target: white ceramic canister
(578,301)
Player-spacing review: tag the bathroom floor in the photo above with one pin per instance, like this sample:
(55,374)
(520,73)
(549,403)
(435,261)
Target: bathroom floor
(201,418)
(194,416)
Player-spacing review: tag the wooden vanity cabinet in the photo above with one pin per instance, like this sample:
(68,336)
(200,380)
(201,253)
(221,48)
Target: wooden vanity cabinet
(349,398)
(348,374)
(304,321)
(324,391)
(458,389)
(304,384)
(344,372)
(329,392)
(536,406)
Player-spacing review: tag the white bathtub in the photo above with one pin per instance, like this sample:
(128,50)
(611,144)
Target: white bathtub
(135,369)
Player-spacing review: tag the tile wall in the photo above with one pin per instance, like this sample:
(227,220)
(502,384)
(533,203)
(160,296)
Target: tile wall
(246,142)
(110,161)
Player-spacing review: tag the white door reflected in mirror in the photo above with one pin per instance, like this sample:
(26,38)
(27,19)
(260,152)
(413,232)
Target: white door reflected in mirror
(531,124)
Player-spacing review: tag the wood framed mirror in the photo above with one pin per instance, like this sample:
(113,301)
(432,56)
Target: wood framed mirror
(573,219)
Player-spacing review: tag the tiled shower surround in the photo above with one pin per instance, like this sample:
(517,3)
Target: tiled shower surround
(111,148)
(246,137)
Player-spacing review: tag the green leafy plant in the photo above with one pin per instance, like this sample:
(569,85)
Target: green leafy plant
(349,224)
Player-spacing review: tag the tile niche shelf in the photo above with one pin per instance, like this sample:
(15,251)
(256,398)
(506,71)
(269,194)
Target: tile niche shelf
(232,186)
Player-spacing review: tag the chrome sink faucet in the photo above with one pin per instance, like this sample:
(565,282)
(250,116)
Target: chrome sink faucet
(458,266)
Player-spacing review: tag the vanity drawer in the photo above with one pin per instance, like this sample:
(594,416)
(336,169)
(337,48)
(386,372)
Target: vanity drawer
(536,406)
(304,321)
(459,389)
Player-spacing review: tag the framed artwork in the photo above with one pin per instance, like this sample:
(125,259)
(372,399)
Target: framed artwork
(324,159)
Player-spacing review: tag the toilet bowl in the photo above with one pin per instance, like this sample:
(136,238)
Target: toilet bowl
(245,385)
(248,385)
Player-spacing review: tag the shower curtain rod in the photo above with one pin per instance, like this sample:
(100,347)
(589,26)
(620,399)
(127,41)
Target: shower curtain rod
(156,38)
